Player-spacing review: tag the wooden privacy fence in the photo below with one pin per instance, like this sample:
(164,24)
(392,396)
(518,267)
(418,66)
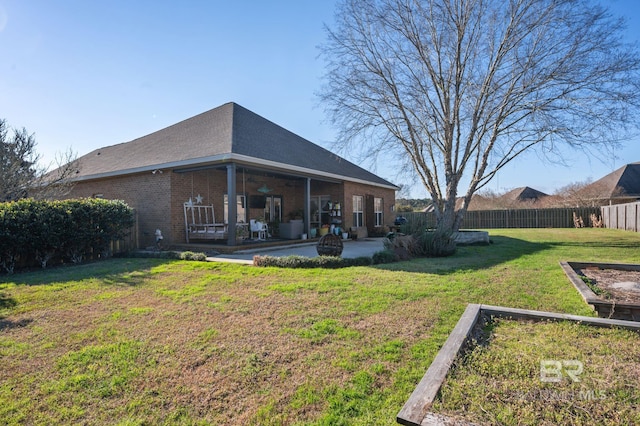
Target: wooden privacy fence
(516,218)
(130,241)
(124,245)
(622,216)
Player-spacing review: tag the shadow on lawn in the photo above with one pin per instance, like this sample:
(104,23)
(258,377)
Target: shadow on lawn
(127,272)
(597,244)
(502,249)
(7,302)
(6,324)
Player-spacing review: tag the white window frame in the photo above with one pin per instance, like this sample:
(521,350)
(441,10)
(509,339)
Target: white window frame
(378,211)
(241,211)
(358,210)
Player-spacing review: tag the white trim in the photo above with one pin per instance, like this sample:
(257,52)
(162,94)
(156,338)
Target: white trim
(376,212)
(232,157)
(357,213)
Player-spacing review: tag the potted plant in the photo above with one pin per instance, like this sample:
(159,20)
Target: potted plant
(242,232)
(274,227)
(296,215)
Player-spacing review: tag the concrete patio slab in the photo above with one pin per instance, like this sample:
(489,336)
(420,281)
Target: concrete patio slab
(352,249)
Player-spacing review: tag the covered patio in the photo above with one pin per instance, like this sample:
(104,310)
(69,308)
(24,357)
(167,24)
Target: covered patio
(181,179)
(271,205)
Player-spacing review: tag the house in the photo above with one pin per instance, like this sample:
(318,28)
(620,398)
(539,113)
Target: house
(180,180)
(619,186)
(524,194)
(518,198)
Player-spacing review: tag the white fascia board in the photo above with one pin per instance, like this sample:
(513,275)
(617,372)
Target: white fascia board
(152,167)
(232,157)
(305,171)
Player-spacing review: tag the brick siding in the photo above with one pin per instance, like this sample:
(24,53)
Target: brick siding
(158,198)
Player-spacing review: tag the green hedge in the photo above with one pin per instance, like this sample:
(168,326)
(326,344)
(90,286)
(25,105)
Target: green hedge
(34,232)
(333,262)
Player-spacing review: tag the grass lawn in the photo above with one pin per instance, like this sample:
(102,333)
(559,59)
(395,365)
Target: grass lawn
(149,341)
(546,373)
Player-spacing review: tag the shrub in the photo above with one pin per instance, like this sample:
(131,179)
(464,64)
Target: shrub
(35,232)
(379,231)
(436,243)
(420,240)
(295,261)
(190,255)
(403,246)
(384,256)
(361,261)
(165,254)
(14,231)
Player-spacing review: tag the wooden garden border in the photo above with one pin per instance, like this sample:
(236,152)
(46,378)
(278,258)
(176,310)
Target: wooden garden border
(415,411)
(604,308)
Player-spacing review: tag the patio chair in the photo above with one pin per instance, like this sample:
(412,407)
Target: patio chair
(258,228)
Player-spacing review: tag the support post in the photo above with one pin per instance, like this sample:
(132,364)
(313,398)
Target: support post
(307,206)
(232,204)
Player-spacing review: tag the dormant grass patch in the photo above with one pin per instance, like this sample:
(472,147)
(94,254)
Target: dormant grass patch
(159,341)
(546,373)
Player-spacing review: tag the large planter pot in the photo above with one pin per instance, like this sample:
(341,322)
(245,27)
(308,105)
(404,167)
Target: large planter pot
(291,230)
(324,231)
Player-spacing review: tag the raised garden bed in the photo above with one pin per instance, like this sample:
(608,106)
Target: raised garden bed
(613,289)
(418,410)
(470,237)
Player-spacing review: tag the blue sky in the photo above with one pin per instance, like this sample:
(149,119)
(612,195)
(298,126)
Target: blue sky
(85,74)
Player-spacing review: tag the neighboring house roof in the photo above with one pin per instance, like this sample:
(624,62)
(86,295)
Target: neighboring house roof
(515,198)
(228,133)
(622,183)
(524,193)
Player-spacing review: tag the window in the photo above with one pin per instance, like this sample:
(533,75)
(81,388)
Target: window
(377,211)
(273,209)
(358,210)
(241,215)
(320,210)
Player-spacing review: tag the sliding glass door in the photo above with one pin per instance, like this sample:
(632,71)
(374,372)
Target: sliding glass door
(273,209)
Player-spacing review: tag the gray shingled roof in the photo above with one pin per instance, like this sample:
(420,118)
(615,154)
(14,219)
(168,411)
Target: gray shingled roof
(524,193)
(622,183)
(228,132)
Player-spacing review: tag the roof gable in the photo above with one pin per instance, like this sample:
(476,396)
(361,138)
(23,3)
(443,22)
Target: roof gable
(214,136)
(621,183)
(203,135)
(524,193)
(250,131)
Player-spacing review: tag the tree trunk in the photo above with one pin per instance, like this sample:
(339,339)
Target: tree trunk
(440,242)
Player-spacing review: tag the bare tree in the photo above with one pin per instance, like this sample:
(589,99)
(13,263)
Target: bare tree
(584,194)
(55,180)
(20,174)
(462,87)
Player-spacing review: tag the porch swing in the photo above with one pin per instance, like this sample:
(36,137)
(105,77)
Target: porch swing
(200,223)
